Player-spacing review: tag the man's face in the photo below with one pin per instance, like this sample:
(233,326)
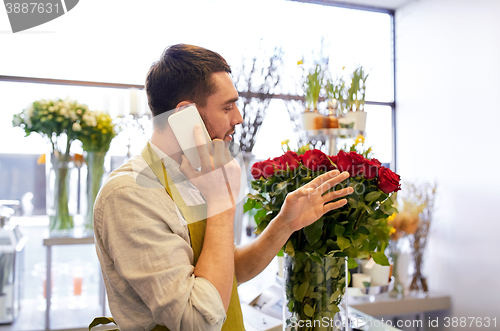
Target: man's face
(220,113)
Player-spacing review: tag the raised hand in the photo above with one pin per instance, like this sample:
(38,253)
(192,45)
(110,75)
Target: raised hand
(307,204)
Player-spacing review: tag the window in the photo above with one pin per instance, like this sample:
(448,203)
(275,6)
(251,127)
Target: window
(93,52)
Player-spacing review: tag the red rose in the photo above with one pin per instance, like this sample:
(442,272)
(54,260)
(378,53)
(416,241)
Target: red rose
(388,181)
(315,159)
(334,159)
(267,168)
(277,162)
(291,159)
(358,162)
(343,161)
(371,168)
(256,171)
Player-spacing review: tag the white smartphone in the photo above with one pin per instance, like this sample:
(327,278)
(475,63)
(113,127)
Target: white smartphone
(182,124)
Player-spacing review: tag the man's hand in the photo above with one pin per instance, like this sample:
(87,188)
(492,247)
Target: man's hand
(219,179)
(307,204)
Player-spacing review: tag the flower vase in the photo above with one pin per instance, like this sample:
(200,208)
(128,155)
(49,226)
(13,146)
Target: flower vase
(95,166)
(58,172)
(313,292)
(398,290)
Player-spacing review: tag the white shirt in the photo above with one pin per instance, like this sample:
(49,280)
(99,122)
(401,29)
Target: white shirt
(146,258)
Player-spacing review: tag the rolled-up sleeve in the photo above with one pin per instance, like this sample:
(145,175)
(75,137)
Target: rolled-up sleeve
(147,263)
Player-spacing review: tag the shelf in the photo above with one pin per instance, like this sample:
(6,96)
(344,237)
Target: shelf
(385,305)
(329,133)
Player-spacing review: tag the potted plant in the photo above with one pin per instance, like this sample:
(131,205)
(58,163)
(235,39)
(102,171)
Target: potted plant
(356,98)
(313,83)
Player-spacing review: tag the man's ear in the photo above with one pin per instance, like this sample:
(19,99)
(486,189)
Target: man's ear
(183,104)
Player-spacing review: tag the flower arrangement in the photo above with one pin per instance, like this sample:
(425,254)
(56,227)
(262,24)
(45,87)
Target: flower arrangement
(315,280)
(56,120)
(96,131)
(52,119)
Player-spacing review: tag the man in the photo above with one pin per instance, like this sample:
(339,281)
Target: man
(163,267)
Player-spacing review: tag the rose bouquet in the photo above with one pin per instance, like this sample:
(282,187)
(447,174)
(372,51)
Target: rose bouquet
(315,268)
(57,120)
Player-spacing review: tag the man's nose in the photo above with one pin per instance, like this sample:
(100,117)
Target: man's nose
(237,119)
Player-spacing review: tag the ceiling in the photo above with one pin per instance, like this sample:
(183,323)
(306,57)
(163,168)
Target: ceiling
(382,4)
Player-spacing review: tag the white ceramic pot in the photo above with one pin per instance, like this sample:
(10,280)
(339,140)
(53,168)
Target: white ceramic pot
(379,274)
(359,118)
(307,119)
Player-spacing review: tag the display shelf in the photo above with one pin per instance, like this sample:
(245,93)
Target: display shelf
(78,238)
(331,136)
(385,305)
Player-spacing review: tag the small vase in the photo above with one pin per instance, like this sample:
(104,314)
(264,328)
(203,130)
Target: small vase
(58,172)
(313,292)
(398,290)
(95,166)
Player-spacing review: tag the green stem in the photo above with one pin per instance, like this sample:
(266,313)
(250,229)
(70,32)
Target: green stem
(61,220)
(95,162)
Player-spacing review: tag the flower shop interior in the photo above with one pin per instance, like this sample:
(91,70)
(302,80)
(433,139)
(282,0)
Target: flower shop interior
(379,84)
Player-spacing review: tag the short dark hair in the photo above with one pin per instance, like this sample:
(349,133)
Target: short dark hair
(182,73)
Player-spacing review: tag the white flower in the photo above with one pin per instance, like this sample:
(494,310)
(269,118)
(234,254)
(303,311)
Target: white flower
(29,111)
(64,112)
(17,121)
(76,127)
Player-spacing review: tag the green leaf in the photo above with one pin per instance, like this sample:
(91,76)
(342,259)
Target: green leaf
(301,291)
(380,258)
(314,231)
(315,295)
(339,230)
(320,277)
(335,296)
(289,248)
(343,242)
(308,310)
(333,308)
(248,205)
(351,263)
(261,227)
(363,230)
(315,258)
(261,213)
(334,272)
(372,196)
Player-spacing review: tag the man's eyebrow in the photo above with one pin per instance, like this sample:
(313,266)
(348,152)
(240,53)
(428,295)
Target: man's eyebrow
(231,100)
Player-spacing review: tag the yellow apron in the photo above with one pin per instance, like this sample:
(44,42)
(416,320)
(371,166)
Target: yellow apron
(234,316)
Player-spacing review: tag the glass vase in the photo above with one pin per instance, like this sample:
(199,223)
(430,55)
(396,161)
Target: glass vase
(95,166)
(398,290)
(58,172)
(313,292)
